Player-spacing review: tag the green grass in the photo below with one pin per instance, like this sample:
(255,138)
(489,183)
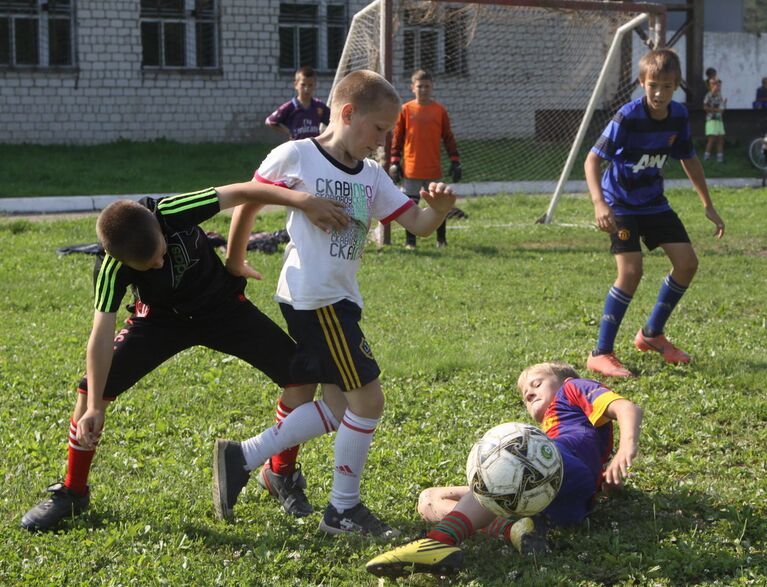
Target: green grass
(163,166)
(451,329)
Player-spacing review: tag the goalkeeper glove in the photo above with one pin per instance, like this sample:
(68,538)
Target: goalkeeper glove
(455,171)
(395,172)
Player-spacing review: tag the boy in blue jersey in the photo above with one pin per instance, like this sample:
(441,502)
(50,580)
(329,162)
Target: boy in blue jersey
(302,116)
(629,203)
(183,296)
(577,415)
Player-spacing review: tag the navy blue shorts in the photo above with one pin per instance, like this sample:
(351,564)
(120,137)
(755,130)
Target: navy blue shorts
(654,230)
(576,495)
(333,344)
(236,327)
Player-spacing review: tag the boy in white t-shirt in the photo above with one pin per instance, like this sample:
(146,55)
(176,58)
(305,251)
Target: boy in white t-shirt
(320,299)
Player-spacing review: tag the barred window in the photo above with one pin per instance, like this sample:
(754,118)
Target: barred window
(435,42)
(180,34)
(37,33)
(311,34)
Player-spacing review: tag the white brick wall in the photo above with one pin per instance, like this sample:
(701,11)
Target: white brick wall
(109,97)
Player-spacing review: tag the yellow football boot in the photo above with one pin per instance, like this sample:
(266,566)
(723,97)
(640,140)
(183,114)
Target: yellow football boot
(422,556)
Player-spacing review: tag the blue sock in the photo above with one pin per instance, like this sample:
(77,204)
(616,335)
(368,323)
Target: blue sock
(616,304)
(668,297)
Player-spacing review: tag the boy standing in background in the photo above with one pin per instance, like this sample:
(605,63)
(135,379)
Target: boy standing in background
(300,118)
(415,153)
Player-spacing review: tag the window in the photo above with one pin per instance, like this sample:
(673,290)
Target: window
(36,33)
(311,34)
(435,42)
(178,34)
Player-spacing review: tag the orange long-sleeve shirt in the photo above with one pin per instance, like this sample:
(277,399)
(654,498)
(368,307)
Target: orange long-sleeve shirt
(416,140)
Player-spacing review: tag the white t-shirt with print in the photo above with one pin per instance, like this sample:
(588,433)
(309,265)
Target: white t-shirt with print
(320,269)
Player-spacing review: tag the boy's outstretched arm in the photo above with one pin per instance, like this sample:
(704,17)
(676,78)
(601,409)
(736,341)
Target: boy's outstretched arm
(424,221)
(629,418)
(603,214)
(98,360)
(694,170)
(243,218)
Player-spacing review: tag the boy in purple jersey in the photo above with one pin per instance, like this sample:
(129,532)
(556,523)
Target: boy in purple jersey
(577,414)
(629,203)
(300,118)
(183,297)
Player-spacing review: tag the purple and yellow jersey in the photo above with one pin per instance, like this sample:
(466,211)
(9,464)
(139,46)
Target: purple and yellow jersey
(637,147)
(575,421)
(303,123)
(192,280)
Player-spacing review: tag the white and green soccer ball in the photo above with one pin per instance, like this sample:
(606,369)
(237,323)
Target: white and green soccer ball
(514,470)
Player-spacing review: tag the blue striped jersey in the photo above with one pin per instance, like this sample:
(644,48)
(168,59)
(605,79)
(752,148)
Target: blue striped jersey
(637,148)
(192,279)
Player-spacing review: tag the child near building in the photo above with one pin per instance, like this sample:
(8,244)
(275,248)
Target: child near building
(415,154)
(301,117)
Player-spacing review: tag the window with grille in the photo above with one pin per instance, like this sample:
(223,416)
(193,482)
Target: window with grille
(179,34)
(311,34)
(37,33)
(434,42)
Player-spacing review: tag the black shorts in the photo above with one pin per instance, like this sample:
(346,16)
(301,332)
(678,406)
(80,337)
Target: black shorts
(236,327)
(654,229)
(332,342)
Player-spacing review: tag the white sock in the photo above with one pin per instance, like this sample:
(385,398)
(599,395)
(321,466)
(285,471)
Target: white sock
(304,423)
(351,453)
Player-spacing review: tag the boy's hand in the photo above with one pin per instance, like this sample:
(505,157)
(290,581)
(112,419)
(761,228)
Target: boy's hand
(89,428)
(325,214)
(618,469)
(712,215)
(439,197)
(456,171)
(242,270)
(604,217)
(395,172)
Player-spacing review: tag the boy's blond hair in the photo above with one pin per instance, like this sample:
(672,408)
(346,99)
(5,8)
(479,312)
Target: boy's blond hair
(559,369)
(420,75)
(660,62)
(365,90)
(128,231)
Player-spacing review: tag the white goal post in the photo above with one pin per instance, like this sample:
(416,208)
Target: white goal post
(527,83)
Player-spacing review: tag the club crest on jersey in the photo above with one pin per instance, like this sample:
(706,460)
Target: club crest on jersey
(624,234)
(646,161)
(365,349)
(671,140)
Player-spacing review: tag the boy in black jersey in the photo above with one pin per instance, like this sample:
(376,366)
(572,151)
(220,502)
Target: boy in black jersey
(184,296)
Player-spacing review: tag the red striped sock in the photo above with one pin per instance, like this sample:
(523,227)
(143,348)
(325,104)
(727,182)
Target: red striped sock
(78,463)
(498,528)
(284,463)
(453,529)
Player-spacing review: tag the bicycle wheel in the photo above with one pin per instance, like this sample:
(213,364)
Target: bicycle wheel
(757,153)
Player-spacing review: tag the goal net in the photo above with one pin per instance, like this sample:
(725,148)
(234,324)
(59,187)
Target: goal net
(517,80)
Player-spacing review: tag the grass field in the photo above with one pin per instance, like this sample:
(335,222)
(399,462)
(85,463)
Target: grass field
(162,166)
(451,329)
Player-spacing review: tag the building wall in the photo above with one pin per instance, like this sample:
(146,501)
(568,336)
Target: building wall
(110,97)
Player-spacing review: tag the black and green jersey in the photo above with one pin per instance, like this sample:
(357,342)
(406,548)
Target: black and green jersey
(192,279)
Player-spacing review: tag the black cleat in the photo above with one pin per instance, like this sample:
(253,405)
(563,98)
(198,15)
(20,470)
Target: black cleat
(288,490)
(356,520)
(229,477)
(63,503)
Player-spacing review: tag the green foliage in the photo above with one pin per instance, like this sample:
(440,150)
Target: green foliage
(451,328)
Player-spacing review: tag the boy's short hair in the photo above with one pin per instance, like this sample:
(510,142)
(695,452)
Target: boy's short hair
(128,231)
(306,71)
(365,90)
(710,72)
(420,75)
(559,369)
(660,62)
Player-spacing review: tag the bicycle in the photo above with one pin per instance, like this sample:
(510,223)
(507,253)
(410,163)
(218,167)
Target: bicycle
(757,154)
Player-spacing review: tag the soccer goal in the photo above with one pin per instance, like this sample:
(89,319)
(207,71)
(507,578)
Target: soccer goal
(529,85)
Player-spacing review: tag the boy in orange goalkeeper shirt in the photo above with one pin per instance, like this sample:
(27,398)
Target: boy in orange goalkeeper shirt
(415,154)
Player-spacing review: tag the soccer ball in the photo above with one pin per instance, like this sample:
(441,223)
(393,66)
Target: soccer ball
(514,470)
